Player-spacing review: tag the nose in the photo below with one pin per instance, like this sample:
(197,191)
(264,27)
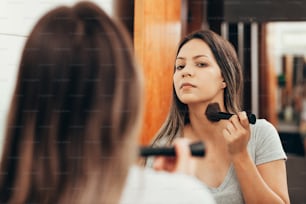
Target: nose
(186,75)
(187,71)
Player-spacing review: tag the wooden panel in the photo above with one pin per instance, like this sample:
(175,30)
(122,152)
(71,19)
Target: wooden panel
(157,31)
(288,73)
(268,77)
(196,15)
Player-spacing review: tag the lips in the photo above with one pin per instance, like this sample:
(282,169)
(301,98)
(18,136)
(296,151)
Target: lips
(186,85)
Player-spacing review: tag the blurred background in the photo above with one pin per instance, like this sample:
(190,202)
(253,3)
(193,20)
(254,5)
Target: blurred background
(269,36)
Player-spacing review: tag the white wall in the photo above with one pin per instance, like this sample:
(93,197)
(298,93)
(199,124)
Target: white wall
(286,38)
(17,17)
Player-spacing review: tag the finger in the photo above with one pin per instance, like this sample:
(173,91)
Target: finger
(165,163)
(226,134)
(234,121)
(183,154)
(158,163)
(243,119)
(241,123)
(230,127)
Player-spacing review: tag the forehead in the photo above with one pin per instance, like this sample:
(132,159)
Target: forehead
(195,47)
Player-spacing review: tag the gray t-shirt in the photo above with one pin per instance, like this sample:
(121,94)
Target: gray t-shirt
(264,146)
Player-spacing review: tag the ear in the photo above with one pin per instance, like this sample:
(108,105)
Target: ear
(223,85)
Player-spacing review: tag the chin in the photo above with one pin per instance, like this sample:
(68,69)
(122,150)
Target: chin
(189,100)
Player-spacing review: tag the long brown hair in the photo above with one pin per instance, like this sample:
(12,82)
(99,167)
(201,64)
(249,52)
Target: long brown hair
(231,71)
(75,115)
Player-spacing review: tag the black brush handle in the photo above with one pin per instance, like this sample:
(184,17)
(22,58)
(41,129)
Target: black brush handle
(251,116)
(197,149)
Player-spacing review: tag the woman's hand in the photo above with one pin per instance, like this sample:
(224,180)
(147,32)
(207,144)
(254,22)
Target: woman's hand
(237,134)
(181,163)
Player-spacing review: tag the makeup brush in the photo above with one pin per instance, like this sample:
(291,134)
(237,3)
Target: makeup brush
(214,114)
(197,149)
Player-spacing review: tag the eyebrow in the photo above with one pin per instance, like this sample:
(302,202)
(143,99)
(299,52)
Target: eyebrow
(195,57)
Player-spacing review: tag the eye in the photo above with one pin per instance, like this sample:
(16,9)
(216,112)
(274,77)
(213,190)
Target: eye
(201,64)
(179,67)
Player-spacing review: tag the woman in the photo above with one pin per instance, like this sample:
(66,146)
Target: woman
(74,119)
(244,163)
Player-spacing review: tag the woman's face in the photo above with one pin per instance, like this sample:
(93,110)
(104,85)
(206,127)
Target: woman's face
(197,77)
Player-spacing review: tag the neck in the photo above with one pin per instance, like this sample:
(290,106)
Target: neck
(201,128)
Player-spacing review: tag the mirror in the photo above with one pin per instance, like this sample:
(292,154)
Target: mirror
(287,49)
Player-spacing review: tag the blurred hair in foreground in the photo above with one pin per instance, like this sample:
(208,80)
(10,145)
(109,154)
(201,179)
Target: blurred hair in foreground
(74,119)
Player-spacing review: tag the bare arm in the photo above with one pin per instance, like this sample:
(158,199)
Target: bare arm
(266,183)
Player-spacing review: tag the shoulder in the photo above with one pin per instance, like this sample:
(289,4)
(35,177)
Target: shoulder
(265,144)
(262,128)
(261,124)
(149,186)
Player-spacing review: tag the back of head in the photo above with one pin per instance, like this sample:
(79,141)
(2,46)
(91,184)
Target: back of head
(73,124)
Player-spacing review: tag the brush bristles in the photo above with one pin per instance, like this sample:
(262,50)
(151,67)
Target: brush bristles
(214,114)
(212,111)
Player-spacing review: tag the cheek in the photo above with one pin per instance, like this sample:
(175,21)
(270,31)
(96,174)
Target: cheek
(212,79)
(175,81)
